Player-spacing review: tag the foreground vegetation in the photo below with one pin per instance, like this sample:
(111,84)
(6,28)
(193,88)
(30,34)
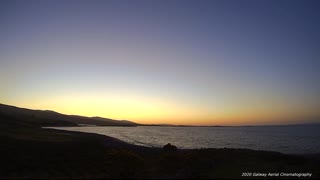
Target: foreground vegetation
(28,151)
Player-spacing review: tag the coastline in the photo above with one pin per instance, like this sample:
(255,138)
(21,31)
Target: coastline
(292,159)
(284,139)
(28,151)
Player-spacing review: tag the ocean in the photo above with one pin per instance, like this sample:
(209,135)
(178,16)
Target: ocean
(295,139)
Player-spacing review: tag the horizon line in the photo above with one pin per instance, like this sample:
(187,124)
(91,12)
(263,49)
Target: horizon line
(159,124)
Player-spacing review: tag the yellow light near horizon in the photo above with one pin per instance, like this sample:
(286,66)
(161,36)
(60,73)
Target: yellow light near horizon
(141,109)
(158,110)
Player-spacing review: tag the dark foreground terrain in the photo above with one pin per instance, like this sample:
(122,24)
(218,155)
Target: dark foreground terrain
(29,151)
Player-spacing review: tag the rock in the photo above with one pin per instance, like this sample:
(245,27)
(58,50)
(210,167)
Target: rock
(170,147)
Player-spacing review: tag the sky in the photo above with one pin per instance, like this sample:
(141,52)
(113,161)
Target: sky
(218,62)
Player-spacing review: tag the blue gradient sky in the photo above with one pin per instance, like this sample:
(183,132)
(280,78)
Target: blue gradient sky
(230,62)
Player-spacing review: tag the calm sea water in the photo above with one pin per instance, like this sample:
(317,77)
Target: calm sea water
(286,139)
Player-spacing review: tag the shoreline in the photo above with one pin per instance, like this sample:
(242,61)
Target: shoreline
(34,152)
(160,146)
(29,151)
(111,142)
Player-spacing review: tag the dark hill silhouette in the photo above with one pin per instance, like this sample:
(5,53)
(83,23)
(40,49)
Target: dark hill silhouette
(52,118)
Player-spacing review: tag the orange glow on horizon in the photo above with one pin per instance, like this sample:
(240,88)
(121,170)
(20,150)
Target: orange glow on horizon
(152,111)
(147,109)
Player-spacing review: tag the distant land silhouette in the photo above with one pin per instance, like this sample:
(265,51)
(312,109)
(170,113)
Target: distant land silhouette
(51,118)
